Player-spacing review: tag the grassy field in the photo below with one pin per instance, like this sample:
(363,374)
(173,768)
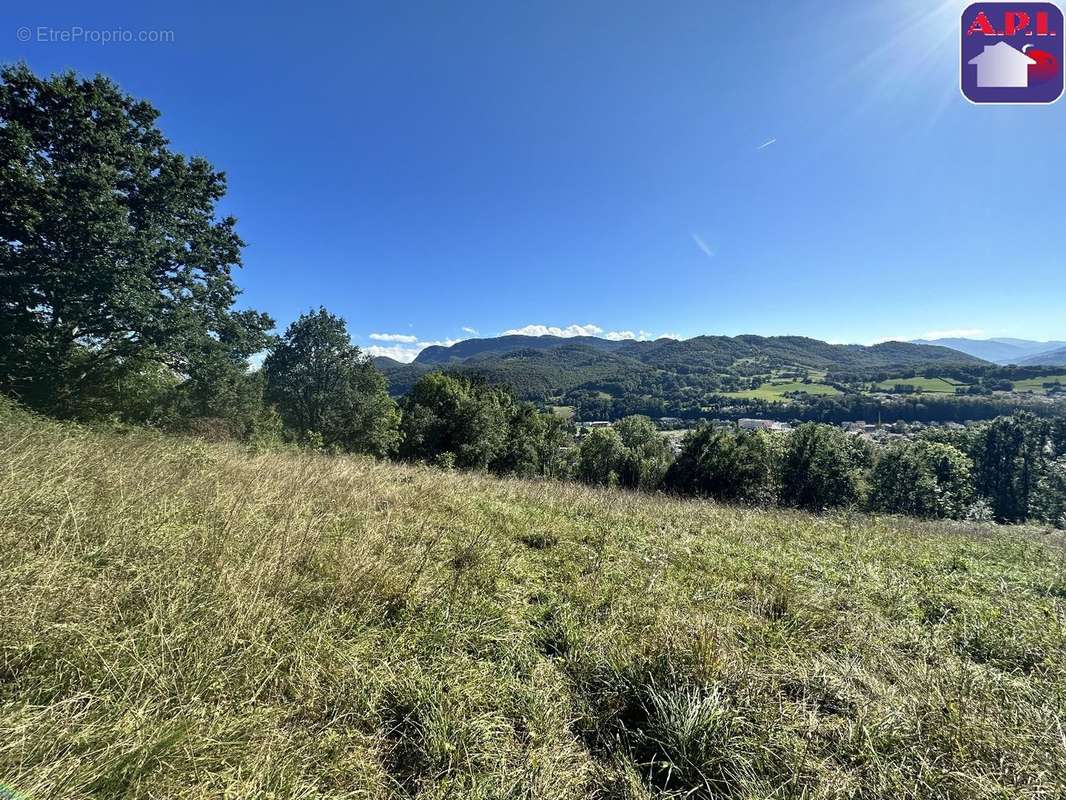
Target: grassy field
(934,385)
(181,620)
(776,391)
(1036,385)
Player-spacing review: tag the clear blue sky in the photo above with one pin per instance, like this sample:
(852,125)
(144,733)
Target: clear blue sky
(421,167)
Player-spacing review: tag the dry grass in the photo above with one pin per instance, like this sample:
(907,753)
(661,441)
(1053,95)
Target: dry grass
(182,620)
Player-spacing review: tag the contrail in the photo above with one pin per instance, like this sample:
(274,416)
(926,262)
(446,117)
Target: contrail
(702,245)
(766,144)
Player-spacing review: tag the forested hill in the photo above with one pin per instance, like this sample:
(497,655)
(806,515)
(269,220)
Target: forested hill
(469,348)
(544,368)
(716,351)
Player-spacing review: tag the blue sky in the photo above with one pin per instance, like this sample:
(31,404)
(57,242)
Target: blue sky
(432,169)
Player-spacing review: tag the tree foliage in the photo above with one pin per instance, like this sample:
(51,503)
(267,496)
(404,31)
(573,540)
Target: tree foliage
(630,454)
(323,385)
(111,251)
(1008,455)
(725,464)
(822,467)
(1049,502)
(922,479)
(461,421)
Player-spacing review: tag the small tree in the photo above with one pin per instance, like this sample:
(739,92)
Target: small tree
(726,464)
(600,457)
(822,467)
(922,479)
(1009,455)
(322,385)
(458,419)
(533,444)
(646,455)
(1058,437)
(632,454)
(1049,502)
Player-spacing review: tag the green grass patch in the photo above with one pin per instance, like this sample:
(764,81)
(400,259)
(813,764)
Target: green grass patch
(776,391)
(930,385)
(1036,385)
(182,620)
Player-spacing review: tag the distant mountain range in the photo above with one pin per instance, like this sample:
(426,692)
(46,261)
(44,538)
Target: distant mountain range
(539,367)
(1023,352)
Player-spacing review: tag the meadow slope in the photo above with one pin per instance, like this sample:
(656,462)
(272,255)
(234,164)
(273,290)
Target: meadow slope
(186,620)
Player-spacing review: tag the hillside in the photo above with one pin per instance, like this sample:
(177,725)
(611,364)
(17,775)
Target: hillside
(542,367)
(1054,358)
(469,348)
(716,351)
(185,620)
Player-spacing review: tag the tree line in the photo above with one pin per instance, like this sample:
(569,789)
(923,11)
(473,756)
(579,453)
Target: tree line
(1011,469)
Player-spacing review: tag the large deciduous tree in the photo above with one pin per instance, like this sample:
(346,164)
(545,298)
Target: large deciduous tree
(322,384)
(111,251)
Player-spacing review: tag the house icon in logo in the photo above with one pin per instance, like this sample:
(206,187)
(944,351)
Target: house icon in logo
(1000,66)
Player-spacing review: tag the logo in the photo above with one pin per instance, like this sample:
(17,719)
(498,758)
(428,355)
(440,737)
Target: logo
(1012,53)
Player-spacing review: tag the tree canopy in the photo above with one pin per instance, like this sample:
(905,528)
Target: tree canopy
(322,384)
(111,251)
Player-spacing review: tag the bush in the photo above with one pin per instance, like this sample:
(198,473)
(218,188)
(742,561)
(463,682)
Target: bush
(725,464)
(922,479)
(1049,503)
(632,454)
(822,467)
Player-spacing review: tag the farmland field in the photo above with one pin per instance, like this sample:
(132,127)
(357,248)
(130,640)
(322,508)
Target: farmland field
(933,385)
(1036,385)
(775,392)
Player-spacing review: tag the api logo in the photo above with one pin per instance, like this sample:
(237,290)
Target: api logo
(1012,53)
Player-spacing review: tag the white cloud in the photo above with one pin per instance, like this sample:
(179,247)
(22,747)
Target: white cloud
(394,337)
(550,330)
(396,352)
(582,330)
(702,245)
(405,353)
(957,333)
(439,343)
(471,331)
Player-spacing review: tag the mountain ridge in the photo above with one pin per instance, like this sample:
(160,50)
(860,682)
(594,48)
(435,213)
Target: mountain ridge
(1004,350)
(542,366)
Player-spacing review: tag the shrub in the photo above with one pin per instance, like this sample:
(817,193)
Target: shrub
(725,464)
(1049,503)
(923,479)
(822,467)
